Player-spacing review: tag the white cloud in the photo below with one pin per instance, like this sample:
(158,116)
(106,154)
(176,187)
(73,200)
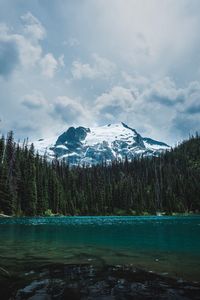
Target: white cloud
(61,60)
(49,65)
(29,48)
(170,111)
(32,27)
(101,68)
(70,111)
(34,101)
(158,110)
(150,37)
(72,42)
(118,95)
(164,92)
(115,105)
(30,53)
(137,81)
(29,40)
(80,70)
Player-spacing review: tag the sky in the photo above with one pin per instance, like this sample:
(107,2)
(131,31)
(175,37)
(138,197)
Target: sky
(94,62)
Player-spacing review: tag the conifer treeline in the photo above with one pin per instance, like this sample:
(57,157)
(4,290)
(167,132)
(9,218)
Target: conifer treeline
(30,185)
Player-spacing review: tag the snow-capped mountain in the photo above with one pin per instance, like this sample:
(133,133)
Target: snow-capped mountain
(88,146)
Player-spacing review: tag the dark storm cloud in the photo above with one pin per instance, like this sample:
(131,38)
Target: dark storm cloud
(167,94)
(164,100)
(69,110)
(185,124)
(113,109)
(9,57)
(194,109)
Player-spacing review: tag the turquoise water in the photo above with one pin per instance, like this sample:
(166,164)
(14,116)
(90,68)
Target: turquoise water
(162,244)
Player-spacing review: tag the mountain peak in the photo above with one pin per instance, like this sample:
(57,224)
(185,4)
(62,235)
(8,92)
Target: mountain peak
(118,124)
(93,145)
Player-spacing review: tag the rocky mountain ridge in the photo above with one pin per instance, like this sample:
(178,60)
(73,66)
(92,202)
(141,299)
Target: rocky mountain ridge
(90,146)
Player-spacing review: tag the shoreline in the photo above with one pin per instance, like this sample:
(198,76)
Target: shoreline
(174,214)
(5,216)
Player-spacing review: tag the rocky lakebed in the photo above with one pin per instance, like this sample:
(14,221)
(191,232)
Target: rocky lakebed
(84,281)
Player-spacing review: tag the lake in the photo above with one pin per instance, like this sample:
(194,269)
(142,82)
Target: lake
(169,245)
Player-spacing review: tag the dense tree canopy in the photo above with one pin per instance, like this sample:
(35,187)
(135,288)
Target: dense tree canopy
(31,185)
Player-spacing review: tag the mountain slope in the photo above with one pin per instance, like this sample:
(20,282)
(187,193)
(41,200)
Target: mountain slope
(88,146)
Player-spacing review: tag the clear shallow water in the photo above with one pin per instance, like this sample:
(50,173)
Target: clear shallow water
(162,244)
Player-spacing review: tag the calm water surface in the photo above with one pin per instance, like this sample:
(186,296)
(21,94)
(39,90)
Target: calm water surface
(162,244)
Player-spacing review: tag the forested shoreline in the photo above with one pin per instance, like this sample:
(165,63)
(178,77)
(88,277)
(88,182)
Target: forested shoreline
(30,185)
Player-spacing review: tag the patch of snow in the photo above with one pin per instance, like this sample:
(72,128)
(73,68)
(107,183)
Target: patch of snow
(155,146)
(109,133)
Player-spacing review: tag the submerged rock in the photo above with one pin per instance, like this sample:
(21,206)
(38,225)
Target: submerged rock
(76,282)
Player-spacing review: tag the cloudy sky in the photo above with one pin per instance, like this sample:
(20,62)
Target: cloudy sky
(94,62)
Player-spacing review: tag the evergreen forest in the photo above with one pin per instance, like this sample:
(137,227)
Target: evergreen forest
(31,185)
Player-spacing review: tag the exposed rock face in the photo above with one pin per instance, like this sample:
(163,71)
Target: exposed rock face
(72,135)
(88,146)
